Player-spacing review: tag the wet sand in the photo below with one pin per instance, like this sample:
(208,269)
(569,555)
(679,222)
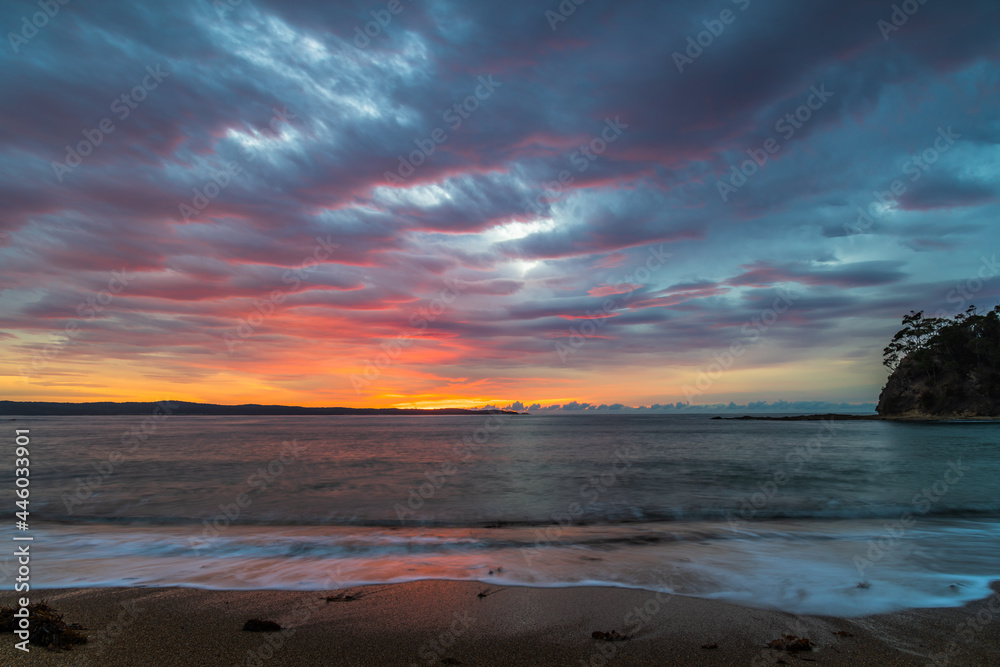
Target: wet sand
(448,623)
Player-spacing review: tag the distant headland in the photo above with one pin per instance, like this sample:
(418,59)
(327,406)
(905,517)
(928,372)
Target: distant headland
(108,408)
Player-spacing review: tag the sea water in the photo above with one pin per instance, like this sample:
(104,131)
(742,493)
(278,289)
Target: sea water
(833,517)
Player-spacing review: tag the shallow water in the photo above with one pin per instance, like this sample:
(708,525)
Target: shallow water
(787,515)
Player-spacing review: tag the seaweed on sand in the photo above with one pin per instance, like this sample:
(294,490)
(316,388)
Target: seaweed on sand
(46,627)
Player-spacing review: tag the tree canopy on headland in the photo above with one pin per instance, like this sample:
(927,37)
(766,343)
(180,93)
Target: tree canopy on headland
(944,367)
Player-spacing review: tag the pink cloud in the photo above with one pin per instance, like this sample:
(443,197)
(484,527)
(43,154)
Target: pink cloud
(609,290)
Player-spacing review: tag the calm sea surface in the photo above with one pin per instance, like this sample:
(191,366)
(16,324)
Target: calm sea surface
(787,515)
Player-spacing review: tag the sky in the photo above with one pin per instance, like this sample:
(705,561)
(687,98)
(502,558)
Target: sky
(437,204)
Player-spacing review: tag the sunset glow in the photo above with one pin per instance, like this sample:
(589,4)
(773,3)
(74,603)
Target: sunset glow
(480,207)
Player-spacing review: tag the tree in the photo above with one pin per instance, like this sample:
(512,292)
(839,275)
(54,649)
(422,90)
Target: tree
(944,366)
(914,336)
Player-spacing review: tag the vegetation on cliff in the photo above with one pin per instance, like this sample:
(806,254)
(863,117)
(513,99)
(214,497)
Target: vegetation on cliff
(944,367)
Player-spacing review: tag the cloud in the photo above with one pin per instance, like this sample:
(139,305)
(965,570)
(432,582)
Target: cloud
(527,213)
(859,274)
(946,193)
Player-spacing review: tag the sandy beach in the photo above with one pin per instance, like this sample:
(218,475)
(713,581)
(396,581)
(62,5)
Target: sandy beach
(448,622)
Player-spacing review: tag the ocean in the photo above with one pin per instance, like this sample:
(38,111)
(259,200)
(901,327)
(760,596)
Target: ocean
(841,518)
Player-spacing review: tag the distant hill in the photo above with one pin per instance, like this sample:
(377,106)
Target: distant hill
(32,408)
(944,368)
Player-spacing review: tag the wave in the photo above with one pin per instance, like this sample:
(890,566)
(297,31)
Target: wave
(342,541)
(796,566)
(730,516)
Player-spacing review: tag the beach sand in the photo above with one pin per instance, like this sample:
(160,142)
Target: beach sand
(448,623)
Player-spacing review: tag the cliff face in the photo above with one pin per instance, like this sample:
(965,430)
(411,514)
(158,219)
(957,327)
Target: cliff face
(951,368)
(914,392)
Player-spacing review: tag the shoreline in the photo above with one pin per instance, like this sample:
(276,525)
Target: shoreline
(448,622)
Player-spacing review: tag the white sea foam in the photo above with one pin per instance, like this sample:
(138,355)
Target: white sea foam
(809,567)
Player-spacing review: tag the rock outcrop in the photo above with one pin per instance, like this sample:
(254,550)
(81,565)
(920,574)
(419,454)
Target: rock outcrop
(953,374)
(910,393)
